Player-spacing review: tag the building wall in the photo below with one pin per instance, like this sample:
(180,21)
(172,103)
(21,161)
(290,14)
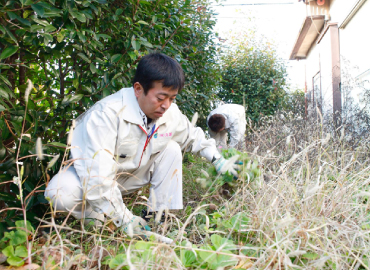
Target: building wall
(319,74)
(354,49)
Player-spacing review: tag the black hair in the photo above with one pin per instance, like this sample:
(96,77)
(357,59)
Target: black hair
(158,67)
(216,122)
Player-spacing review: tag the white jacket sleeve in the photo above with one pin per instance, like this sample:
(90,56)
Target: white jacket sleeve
(194,138)
(93,148)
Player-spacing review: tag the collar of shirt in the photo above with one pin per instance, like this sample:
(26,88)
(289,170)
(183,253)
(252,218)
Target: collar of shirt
(145,122)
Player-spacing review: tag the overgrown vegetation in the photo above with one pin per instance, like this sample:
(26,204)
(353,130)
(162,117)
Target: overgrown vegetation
(302,198)
(58,57)
(307,206)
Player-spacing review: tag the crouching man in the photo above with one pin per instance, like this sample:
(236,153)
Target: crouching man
(128,140)
(228,118)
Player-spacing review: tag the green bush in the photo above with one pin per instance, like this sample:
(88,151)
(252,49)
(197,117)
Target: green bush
(253,75)
(59,57)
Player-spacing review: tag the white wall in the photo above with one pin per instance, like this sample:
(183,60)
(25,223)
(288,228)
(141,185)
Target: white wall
(355,40)
(354,47)
(319,59)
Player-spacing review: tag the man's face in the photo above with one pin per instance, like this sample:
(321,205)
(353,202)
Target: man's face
(157,100)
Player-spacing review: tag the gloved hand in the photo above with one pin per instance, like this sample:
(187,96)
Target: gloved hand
(223,165)
(137,227)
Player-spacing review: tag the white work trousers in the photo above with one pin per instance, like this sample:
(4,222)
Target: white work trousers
(163,173)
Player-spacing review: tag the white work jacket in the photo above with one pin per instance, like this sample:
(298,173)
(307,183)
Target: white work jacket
(110,139)
(235,121)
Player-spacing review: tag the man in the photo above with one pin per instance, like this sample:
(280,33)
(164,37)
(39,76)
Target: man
(128,140)
(228,118)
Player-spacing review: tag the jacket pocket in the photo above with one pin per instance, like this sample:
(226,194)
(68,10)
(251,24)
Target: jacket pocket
(127,150)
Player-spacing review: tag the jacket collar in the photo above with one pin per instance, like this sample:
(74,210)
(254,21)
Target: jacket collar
(131,112)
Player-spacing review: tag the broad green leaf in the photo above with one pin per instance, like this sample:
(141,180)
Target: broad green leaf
(72,99)
(82,37)
(238,222)
(135,44)
(208,255)
(84,57)
(117,75)
(50,28)
(76,82)
(26,2)
(219,241)
(47,38)
(119,11)
(215,260)
(142,22)
(224,260)
(42,22)
(27,13)
(87,89)
(93,68)
(36,27)
(10,35)
(8,251)
(12,15)
(132,55)
(115,58)
(20,225)
(49,14)
(39,9)
(146,44)
(60,36)
(119,260)
(21,251)
(78,15)
(7,52)
(15,261)
(187,257)
(19,237)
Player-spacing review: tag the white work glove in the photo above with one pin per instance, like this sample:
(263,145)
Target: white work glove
(223,165)
(136,228)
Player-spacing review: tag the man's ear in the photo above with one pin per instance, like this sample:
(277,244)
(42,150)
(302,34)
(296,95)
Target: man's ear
(139,90)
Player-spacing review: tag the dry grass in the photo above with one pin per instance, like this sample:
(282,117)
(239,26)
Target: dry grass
(308,210)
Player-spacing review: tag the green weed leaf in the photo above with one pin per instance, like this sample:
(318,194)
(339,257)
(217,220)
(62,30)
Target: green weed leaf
(8,251)
(15,261)
(119,260)
(21,251)
(18,238)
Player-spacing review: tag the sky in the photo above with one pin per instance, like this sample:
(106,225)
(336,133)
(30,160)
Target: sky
(278,20)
